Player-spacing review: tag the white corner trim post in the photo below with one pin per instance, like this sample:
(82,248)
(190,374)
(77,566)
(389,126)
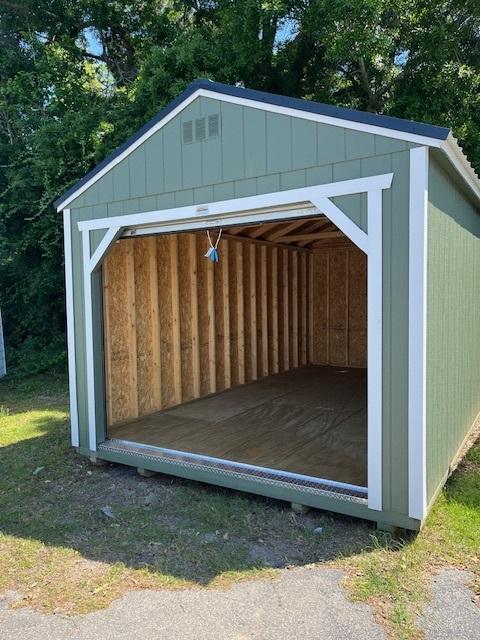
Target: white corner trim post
(375,349)
(72,369)
(417,331)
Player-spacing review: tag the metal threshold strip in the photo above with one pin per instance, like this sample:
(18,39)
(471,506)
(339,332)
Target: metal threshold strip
(330,488)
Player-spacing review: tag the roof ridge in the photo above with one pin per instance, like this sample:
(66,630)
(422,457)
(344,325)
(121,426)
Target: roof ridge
(312,106)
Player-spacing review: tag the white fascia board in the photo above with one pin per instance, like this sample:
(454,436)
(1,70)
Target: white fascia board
(215,210)
(417,330)
(322,119)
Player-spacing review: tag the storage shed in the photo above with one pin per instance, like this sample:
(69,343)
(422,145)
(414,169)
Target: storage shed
(331,357)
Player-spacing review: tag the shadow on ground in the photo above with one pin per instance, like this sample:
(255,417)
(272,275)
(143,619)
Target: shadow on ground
(183,529)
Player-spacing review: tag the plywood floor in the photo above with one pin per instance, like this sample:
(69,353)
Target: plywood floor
(311,421)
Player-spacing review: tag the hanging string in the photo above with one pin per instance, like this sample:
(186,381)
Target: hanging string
(212,251)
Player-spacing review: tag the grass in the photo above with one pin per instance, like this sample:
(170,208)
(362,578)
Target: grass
(393,575)
(60,551)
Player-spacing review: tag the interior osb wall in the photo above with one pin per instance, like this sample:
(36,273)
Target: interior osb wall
(179,327)
(340,307)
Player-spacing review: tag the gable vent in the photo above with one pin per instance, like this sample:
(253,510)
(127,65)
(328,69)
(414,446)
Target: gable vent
(213,125)
(188,131)
(200,129)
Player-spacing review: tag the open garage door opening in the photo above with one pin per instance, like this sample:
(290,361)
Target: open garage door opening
(255,363)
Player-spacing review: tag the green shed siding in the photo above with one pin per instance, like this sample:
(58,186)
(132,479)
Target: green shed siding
(252,144)
(453,321)
(258,152)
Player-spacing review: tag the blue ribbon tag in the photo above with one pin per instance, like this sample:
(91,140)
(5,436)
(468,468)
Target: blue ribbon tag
(212,253)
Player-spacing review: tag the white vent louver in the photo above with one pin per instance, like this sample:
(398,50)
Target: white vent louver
(201,129)
(213,125)
(188,132)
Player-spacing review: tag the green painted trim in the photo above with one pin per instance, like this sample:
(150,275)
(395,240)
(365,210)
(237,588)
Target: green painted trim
(99,355)
(259,487)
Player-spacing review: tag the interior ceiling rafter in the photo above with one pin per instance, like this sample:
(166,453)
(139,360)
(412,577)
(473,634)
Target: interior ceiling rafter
(306,233)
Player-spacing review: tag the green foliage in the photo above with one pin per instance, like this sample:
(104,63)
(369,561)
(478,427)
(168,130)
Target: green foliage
(36,355)
(76,78)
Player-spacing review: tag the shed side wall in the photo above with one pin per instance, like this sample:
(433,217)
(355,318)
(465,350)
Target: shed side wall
(453,321)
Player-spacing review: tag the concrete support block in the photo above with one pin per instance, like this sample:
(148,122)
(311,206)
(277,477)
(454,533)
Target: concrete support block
(300,508)
(386,528)
(145,473)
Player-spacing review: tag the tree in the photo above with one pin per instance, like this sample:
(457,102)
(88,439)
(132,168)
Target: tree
(78,76)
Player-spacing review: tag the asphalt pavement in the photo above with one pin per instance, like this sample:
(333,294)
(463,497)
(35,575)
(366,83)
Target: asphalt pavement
(304,603)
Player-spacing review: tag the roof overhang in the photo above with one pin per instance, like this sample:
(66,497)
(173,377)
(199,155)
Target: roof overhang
(414,132)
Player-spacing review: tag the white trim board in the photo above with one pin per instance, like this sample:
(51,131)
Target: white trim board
(251,205)
(240,219)
(89,350)
(72,373)
(252,208)
(375,346)
(450,147)
(108,239)
(417,328)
